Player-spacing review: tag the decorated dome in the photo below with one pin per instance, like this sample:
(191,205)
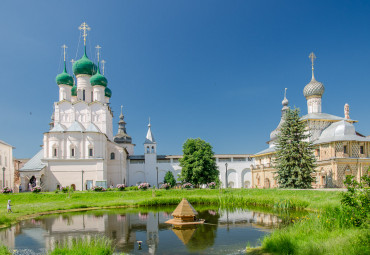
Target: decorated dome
(108,92)
(74,91)
(84,66)
(314,88)
(98,79)
(64,78)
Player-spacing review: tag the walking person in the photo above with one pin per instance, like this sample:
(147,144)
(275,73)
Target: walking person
(9,207)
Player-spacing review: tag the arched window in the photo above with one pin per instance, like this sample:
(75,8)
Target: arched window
(112,156)
(147,149)
(73,152)
(91,152)
(83,95)
(153,149)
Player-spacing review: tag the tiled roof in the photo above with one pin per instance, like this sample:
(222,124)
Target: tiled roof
(34,164)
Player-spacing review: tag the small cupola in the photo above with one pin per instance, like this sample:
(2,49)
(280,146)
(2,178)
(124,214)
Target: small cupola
(64,78)
(108,92)
(98,79)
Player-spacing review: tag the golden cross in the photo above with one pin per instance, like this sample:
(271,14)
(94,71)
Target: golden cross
(64,51)
(312,57)
(98,49)
(103,64)
(85,28)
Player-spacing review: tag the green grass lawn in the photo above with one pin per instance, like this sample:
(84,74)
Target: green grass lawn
(308,234)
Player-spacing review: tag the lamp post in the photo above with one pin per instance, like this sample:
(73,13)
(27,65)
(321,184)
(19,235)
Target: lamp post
(226,174)
(3,177)
(157,176)
(82,184)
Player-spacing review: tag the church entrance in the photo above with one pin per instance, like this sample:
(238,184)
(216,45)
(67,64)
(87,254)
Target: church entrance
(32,182)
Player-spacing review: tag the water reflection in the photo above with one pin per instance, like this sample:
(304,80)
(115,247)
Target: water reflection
(223,232)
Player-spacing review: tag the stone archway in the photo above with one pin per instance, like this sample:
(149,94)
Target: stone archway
(267,183)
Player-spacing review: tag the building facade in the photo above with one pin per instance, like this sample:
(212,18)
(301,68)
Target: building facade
(6,165)
(339,149)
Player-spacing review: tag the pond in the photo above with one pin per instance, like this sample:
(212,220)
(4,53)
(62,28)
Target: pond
(224,231)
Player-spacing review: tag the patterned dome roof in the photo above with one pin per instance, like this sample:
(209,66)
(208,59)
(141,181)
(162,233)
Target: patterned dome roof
(314,88)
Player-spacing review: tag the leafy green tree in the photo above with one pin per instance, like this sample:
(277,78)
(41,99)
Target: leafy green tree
(295,161)
(170,179)
(198,163)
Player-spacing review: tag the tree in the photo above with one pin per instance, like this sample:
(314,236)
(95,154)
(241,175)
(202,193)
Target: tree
(198,163)
(295,161)
(170,179)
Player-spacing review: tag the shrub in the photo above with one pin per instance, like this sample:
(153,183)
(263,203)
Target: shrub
(121,187)
(64,189)
(6,190)
(356,201)
(144,186)
(133,188)
(166,186)
(212,185)
(98,189)
(187,185)
(36,189)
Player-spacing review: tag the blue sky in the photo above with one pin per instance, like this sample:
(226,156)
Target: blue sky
(210,69)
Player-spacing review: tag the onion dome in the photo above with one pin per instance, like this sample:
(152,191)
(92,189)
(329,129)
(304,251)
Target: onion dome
(74,91)
(98,79)
(314,88)
(84,66)
(108,92)
(64,78)
(275,133)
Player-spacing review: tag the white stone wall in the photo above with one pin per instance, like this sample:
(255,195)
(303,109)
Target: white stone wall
(6,160)
(239,172)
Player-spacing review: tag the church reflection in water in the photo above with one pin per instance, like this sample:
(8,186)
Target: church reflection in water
(126,228)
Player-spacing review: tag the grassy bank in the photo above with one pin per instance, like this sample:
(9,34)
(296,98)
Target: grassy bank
(30,205)
(322,231)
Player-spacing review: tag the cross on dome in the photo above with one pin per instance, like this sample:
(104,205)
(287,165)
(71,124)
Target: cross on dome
(64,51)
(103,65)
(312,57)
(84,27)
(98,50)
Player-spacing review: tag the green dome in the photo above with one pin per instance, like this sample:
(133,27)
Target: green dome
(74,91)
(108,92)
(84,66)
(98,79)
(64,78)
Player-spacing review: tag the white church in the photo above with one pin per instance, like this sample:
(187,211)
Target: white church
(80,149)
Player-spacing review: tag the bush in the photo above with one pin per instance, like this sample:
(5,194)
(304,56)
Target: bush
(356,201)
(187,185)
(121,187)
(64,189)
(212,185)
(166,186)
(133,188)
(6,190)
(98,189)
(36,189)
(144,186)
